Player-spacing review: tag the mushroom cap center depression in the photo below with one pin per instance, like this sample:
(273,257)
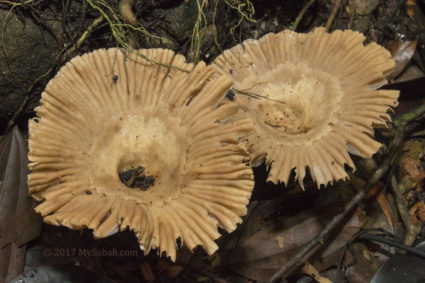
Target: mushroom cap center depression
(153,140)
(294,100)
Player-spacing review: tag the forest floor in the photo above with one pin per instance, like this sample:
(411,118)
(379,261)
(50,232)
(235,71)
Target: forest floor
(368,228)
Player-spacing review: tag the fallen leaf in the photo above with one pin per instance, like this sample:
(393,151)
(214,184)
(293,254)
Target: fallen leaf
(417,212)
(402,52)
(59,273)
(214,260)
(147,272)
(175,271)
(19,223)
(411,171)
(280,241)
(376,193)
(366,254)
(262,254)
(411,5)
(385,206)
(310,270)
(359,264)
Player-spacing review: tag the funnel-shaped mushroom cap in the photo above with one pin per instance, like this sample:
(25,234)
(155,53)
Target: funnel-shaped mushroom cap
(105,113)
(312,97)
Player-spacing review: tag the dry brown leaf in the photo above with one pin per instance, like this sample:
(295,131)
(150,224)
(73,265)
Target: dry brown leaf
(280,241)
(402,52)
(412,173)
(386,209)
(410,5)
(147,272)
(376,193)
(417,212)
(18,222)
(262,254)
(414,169)
(175,271)
(214,260)
(310,270)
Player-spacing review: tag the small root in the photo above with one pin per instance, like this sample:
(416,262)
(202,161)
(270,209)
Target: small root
(196,40)
(245,10)
(301,15)
(332,15)
(412,230)
(120,31)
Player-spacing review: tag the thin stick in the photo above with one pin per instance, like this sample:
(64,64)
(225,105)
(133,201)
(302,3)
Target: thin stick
(318,241)
(377,238)
(412,230)
(332,15)
(82,38)
(352,13)
(301,14)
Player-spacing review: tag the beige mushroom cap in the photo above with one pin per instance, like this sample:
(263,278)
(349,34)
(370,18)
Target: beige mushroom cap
(106,112)
(312,97)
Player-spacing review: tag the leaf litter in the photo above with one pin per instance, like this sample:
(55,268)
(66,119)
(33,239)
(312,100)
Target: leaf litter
(19,223)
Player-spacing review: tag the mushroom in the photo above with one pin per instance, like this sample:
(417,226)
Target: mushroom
(122,142)
(313,97)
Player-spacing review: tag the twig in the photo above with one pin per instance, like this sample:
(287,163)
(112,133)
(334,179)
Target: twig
(409,117)
(256,96)
(64,20)
(318,241)
(16,4)
(352,12)
(301,14)
(196,40)
(412,229)
(214,26)
(82,38)
(347,247)
(383,237)
(332,15)
(380,239)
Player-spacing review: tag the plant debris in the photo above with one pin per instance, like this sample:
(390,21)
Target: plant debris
(134,178)
(373,222)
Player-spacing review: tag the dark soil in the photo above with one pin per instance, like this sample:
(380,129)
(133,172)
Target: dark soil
(134,178)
